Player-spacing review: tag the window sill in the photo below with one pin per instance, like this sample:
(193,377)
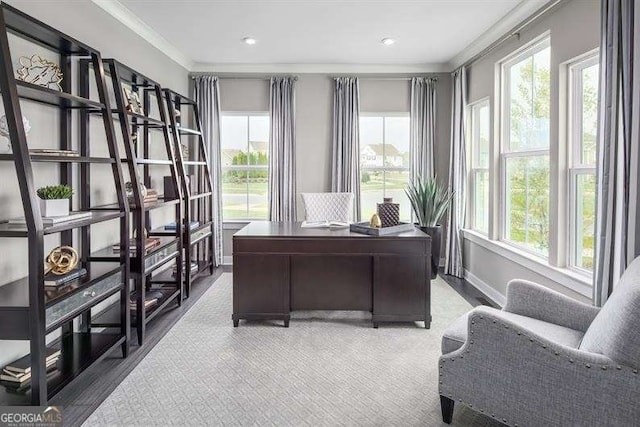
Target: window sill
(571,279)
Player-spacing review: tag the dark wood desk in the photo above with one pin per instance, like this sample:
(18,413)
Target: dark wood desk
(279,267)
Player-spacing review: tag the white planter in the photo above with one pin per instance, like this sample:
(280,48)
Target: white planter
(51,208)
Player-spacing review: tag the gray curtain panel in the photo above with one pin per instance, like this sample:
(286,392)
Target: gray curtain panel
(345,166)
(282,156)
(618,222)
(207,96)
(423,127)
(457,175)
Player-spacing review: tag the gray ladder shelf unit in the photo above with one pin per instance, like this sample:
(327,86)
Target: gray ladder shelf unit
(151,272)
(27,311)
(197,188)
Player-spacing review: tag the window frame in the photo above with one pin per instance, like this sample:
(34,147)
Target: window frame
(383,168)
(506,153)
(575,167)
(473,169)
(244,168)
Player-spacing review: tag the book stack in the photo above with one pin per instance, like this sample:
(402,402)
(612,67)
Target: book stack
(150,244)
(54,281)
(194,267)
(151,299)
(16,376)
(54,220)
(151,197)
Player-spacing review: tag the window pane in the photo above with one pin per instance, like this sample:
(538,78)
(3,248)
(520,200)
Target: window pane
(396,140)
(245,142)
(528,102)
(584,221)
(481,200)
(483,124)
(234,195)
(258,202)
(589,115)
(371,192)
(384,148)
(527,202)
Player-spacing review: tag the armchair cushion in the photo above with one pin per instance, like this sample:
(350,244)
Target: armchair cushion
(532,300)
(456,335)
(615,330)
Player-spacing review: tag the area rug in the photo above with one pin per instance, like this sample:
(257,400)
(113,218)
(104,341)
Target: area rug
(326,369)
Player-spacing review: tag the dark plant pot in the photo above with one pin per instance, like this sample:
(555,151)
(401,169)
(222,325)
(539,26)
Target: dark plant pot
(435,233)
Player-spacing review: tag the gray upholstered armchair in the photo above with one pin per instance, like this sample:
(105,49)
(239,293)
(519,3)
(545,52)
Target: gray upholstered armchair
(546,359)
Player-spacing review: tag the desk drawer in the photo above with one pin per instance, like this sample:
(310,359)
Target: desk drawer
(364,245)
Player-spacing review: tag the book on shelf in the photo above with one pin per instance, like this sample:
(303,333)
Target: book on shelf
(172,226)
(324,224)
(54,220)
(150,243)
(53,152)
(54,280)
(24,387)
(148,303)
(14,377)
(23,365)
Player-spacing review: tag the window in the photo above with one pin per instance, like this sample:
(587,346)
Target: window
(583,119)
(245,165)
(384,162)
(525,137)
(478,120)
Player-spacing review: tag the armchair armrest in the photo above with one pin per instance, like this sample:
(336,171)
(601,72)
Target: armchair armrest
(520,378)
(532,300)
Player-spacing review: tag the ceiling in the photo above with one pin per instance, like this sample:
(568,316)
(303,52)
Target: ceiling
(320,31)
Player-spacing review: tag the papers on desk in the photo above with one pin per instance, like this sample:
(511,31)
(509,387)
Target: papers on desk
(324,224)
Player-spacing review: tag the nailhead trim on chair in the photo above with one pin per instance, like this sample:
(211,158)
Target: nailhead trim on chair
(531,339)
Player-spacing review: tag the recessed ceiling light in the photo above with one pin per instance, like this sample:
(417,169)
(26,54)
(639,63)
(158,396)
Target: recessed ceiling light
(249,40)
(387,41)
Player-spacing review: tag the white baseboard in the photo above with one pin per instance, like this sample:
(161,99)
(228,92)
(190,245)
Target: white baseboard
(227,260)
(486,289)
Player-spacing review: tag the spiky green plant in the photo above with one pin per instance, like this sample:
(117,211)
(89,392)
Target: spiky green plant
(55,192)
(429,201)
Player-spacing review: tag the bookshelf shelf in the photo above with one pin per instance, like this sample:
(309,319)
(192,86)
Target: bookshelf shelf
(141,167)
(197,185)
(29,311)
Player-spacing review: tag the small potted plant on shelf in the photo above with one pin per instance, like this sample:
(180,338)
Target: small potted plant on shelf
(54,200)
(430,201)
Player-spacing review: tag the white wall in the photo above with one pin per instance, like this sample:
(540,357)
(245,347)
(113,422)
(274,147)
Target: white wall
(314,106)
(90,24)
(575,29)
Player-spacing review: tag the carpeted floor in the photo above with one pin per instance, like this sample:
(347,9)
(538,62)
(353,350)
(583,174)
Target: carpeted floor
(329,368)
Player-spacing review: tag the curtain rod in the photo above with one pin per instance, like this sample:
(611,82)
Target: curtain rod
(515,32)
(262,77)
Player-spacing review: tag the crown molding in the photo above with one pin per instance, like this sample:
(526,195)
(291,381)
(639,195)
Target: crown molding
(506,24)
(200,67)
(121,13)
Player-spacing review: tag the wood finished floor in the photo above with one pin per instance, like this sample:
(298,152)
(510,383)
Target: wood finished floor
(83,396)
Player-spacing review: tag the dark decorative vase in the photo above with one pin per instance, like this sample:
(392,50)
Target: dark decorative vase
(389,212)
(435,233)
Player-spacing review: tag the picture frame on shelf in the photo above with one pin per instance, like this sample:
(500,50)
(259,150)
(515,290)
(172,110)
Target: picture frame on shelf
(132,98)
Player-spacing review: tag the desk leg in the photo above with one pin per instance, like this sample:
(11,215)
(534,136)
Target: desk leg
(236,321)
(286,321)
(375,325)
